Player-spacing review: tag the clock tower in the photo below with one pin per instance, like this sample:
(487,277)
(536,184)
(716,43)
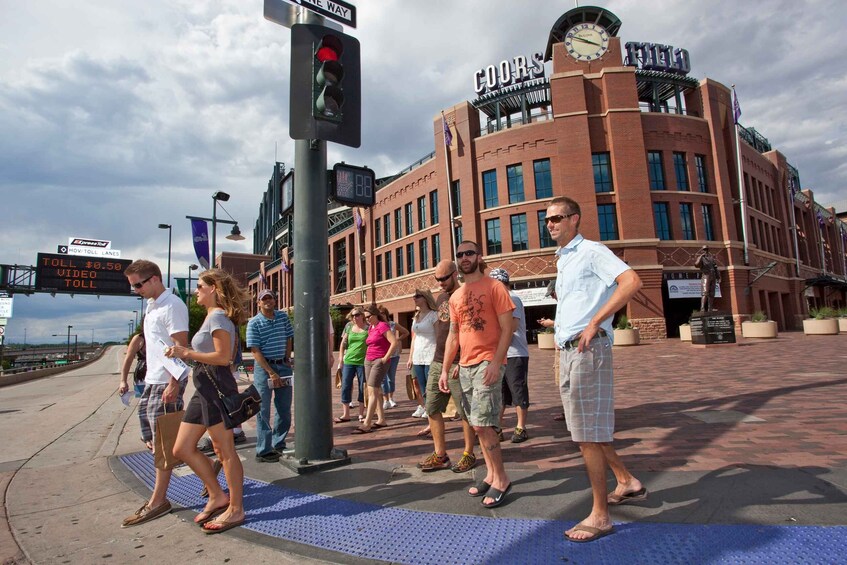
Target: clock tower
(585,39)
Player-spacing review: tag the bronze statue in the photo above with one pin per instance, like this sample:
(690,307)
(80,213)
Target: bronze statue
(708,265)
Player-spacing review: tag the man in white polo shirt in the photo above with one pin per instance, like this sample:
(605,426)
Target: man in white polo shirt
(166,319)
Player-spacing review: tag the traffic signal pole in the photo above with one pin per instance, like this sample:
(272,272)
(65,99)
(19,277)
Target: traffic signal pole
(313,406)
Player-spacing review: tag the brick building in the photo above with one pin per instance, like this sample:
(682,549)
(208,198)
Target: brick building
(651,155)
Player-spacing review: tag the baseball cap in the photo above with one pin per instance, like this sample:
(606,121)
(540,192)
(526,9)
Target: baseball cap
(501,275)
(266,292)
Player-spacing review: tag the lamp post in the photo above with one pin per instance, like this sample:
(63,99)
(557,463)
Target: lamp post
(129,334)
(191,267)
(136,316)
(69,343)
(234,234)
(170,231)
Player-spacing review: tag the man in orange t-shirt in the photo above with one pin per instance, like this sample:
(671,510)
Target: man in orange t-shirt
(481,323)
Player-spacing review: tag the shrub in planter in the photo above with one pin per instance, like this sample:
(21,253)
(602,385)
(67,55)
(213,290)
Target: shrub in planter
(625,334)
(759,326)
(821,322)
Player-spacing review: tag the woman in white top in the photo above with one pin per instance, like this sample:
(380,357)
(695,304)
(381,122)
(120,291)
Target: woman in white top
(422,351)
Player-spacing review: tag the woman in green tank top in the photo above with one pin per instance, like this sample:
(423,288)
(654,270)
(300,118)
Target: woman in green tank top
(351,355)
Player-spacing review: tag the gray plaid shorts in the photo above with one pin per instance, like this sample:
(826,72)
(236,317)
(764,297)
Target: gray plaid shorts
(150,407)
(586,385)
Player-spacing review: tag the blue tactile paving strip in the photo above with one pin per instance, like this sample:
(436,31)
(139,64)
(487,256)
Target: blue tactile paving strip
(370,531)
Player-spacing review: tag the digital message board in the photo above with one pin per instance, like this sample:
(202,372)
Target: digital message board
(81,275)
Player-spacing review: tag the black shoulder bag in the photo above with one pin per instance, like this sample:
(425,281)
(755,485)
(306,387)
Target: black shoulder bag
(238,408)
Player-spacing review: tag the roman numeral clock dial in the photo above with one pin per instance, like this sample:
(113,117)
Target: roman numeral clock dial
(587,42)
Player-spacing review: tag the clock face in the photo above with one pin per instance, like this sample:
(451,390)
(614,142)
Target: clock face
(587,42)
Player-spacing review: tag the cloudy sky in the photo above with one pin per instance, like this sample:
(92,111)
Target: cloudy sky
(116,116)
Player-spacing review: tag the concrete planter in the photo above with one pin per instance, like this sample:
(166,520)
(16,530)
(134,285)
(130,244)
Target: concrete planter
(627,337)
(546,341)
(842,325)
(685,332)
(763,330)
(827,326)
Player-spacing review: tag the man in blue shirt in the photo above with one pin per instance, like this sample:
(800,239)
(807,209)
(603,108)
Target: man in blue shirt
(270,338)
(591,285)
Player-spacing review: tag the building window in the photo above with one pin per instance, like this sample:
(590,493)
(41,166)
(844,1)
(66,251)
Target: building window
(686,218)
(543,180)
(388,266)
(379,268)
(514,178)
(399,261)
(656,170)
(340,265)
(707,222)
(608,221)
(493,243)
(456,195)
(424,253)
(421,212)
(520,237)
(433,207)
(377,233)
(543,233)
(458,232)
(398,226)
(436,249)
(386,223)
(410,226)
(702,182)
(681,171)
(489,189)
(602,172)
(662,220)
(410,258)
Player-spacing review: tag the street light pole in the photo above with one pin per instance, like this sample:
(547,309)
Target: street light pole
(191,267)
(169,228)
(136,317)
(68,354)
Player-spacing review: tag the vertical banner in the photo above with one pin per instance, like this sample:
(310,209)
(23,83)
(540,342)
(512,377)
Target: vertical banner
(180,289)
(200,235)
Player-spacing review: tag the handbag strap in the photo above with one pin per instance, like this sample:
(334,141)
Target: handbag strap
(214,381)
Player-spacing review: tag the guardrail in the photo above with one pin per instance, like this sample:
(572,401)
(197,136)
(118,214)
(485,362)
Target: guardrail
(25,374)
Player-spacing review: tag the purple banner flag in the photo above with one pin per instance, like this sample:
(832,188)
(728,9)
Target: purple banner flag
(448,136)
(200,236)
(820,219)
(285,266)
(736,107)
(358,218)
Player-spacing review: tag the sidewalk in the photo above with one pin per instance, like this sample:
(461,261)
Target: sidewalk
(743,450)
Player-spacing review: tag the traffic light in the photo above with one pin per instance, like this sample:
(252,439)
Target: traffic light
(325,85)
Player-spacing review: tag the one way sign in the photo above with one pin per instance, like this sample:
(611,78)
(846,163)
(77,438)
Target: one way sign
(336,10)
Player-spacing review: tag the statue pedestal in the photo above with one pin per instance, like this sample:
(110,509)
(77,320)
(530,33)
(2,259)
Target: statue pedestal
(712,328)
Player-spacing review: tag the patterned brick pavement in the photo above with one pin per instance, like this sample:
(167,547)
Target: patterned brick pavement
(776,402)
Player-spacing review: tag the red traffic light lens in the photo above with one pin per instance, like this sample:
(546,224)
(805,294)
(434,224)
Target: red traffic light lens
(329,49)
(325,54)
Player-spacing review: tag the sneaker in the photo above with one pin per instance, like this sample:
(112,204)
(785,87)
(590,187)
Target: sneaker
(353,405)
(386,405)
(420,412)
(239,437)
(499,432)
(392,404)
(466,463)
(434,462)
(272,457)
(519,436)
(205,445)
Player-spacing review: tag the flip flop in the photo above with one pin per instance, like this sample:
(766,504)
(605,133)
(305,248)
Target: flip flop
(498,495)
(340,420)
(378,426)
(559,418)
(481,489)
(210,515)
(359,431)
(596,533)
(224,526)
(425,433)
(614,499)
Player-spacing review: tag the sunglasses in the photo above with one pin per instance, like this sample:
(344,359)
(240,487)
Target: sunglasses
(138,285)
(468,253)
(357,314)
(445,278)
(558,218)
